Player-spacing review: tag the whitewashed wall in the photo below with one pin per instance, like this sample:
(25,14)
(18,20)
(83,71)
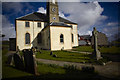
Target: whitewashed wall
(21,30)
(55,38)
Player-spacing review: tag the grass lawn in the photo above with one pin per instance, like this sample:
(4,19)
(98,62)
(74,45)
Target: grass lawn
(83,49)
(51,71)
(64,56)
(110,50)
(68,56)
(46,71)
(9,71)
(104,50)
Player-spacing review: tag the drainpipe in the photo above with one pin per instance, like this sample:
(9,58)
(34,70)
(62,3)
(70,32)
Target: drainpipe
(33,31)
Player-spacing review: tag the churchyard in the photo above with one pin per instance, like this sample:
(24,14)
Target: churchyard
(45,71)
(103,49)
(54,71)
(69,56)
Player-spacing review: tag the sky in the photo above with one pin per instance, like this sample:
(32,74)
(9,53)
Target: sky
(102,15)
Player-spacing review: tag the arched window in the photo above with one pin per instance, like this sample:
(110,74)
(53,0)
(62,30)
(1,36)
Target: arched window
(72,38)
(27,38)
(61,38)
(39,38)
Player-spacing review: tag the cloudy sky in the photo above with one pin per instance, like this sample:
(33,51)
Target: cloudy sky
(102,15)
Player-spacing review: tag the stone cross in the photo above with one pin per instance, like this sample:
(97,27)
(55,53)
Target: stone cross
(96,52)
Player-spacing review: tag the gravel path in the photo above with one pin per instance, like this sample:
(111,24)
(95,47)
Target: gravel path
(110,70)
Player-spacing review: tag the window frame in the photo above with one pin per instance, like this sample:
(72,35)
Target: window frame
(39,40)
(27,42)
(61,38)
(72,36)
(39,24)
(27,24)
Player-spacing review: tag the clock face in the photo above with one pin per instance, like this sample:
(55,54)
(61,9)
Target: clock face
(53,9)
(54,18)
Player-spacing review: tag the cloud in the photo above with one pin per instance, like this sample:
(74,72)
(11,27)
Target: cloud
(17,8)
(85,14)
(110,32)
(12,6)
(41,10)
(7,29)
(112,24)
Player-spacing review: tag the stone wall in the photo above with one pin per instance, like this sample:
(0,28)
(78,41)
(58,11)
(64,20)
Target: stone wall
(102,39)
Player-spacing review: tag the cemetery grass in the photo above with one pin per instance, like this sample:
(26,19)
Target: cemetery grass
(53,71)
(63,56)
(46,71)
(83,49)
(111,50)
(69,57)
(10,71)
(103,50)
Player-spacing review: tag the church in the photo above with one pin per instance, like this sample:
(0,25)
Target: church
(46,31)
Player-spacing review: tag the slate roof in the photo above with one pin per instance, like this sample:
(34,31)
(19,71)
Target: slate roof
(59,24)
(85,36)
(41,17)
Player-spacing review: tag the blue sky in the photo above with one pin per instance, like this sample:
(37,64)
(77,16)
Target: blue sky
(102,15)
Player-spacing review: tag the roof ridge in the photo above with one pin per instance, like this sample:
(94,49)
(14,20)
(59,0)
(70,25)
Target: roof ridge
(25,15)
(42,17)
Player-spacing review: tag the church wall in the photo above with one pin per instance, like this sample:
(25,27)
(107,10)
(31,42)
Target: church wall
(55,33)
(21,30)
(46,38)
(75,35)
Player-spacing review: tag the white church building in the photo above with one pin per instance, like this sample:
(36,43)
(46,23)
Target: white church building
(46,31)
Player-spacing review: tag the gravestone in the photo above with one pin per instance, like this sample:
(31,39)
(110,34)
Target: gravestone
(10,60)
(54,55)
(51,53)
(30,63)
(18,62)
(96,52)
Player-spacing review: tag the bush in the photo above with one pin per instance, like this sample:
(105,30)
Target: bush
(88,69)
(70,67)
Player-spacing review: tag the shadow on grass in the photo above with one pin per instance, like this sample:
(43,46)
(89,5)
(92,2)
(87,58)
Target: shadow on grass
(68,75)
(112,57)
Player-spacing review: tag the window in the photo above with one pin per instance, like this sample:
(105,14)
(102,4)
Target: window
(61,38)
(39,38)
(27,24)
(27,38)
(39,24)
(72,38)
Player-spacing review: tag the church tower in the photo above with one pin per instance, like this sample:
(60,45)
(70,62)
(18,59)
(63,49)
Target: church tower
(52,11)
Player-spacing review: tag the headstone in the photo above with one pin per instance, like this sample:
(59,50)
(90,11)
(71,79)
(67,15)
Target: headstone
(96,52)
(10,60)
(17,50)
(18,62)
(30,63)
(54,55)
(51,53)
